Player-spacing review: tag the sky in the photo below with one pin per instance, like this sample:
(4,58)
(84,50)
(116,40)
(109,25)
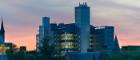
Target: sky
(22,18)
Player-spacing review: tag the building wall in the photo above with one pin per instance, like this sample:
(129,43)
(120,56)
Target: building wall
(46,25)
(102,39)
(1,39)
(68,42)
(37,43)
(82,20)
(39,38)
(5,50)
(3,57)
(44,30)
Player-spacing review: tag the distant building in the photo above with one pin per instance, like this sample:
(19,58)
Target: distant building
(77,40)
(68,41)
(38,46)
(6,49)
(23,48)
(2,33)
(46,25)
(10,47)
(82,20)
(130,48)
(102,39)
(39,38)
(44,30)
(62,36)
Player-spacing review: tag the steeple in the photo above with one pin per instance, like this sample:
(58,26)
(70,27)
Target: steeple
(116,38)
(2,32)
(2,26)
(116,44)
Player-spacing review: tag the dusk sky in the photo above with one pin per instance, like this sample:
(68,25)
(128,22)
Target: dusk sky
(22,17)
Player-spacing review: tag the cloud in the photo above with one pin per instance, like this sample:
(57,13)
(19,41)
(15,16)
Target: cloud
(123,16)
(25,16)
(134,3)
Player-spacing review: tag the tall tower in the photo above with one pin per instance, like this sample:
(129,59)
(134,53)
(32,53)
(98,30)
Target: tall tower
(46,25)
(2,32)
(82,20)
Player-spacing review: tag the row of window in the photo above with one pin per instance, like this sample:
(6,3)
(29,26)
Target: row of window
(68,37)
(68,45)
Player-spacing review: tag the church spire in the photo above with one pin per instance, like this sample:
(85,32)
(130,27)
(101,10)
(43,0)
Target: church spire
(2,32)
(116,44)
(2,25)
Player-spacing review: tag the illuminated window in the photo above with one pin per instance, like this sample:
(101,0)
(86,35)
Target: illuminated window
(68,37)
(67,45)
(3,49)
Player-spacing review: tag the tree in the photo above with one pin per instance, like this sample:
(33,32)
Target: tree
(47,50)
